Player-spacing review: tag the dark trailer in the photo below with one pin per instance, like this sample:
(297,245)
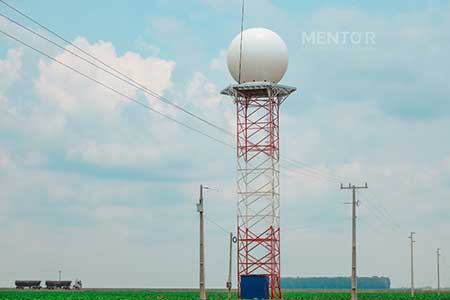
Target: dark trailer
(52,285)
(31,284)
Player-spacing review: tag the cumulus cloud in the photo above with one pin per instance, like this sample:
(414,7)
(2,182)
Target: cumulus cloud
(114,154)
(202,92)
(78,186)
(146,47)
(220,62)
(10,68)
(93,126)
(72,93)
(204,95)
(82,115)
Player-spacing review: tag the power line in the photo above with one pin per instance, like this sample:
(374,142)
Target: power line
(306,169)
(381,215)
(127,79)
(304,172)
(375,212)
(118,92)
(323,173)
(217,225)
(312,225)
(309,170)
(384,210)
(295,170)
(364,222)
(380,220)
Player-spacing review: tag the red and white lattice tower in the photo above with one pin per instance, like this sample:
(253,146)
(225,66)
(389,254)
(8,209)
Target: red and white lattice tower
(258,61)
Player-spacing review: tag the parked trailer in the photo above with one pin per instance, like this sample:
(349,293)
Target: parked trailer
(31,284)
(52,285)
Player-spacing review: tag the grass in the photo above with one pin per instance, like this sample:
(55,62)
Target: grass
(192,295)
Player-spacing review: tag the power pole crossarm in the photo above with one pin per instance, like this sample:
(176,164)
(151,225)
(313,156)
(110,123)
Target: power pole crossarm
(354,203)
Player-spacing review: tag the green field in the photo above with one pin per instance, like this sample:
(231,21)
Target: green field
(191,295)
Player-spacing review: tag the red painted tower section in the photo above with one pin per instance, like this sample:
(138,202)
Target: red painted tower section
(258,185)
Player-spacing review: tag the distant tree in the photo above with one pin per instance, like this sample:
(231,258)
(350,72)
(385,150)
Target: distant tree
(366,283)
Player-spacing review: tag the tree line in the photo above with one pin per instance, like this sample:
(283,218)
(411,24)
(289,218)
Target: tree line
(367,283)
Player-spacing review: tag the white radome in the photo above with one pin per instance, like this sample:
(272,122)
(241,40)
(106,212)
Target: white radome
(264,56)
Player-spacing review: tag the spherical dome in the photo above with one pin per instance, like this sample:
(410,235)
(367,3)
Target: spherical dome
(264,56)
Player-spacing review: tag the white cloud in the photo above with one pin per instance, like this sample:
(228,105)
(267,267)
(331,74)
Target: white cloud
(116,154)
(400,68)
(73,93)
(117,212)
(203,93)
(10,69)
(6,161)
(204,96)
(447,163)
(82,115)
(401,160)
(146,47)
(220,62)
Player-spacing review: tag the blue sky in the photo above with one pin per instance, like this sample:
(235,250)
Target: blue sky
(106,191)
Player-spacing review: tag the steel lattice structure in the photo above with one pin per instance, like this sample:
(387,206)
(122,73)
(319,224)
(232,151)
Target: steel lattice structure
(258,185)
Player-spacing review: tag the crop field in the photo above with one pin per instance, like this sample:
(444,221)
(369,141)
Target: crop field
(191,295)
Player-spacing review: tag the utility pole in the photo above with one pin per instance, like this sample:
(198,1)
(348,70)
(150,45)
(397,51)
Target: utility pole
(354,203)
(411,237)
(438,253)
(229,266)
(59,272)
(202,246)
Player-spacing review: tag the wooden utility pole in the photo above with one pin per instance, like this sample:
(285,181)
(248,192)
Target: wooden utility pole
(354,204)
(202,247)
(411,237)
